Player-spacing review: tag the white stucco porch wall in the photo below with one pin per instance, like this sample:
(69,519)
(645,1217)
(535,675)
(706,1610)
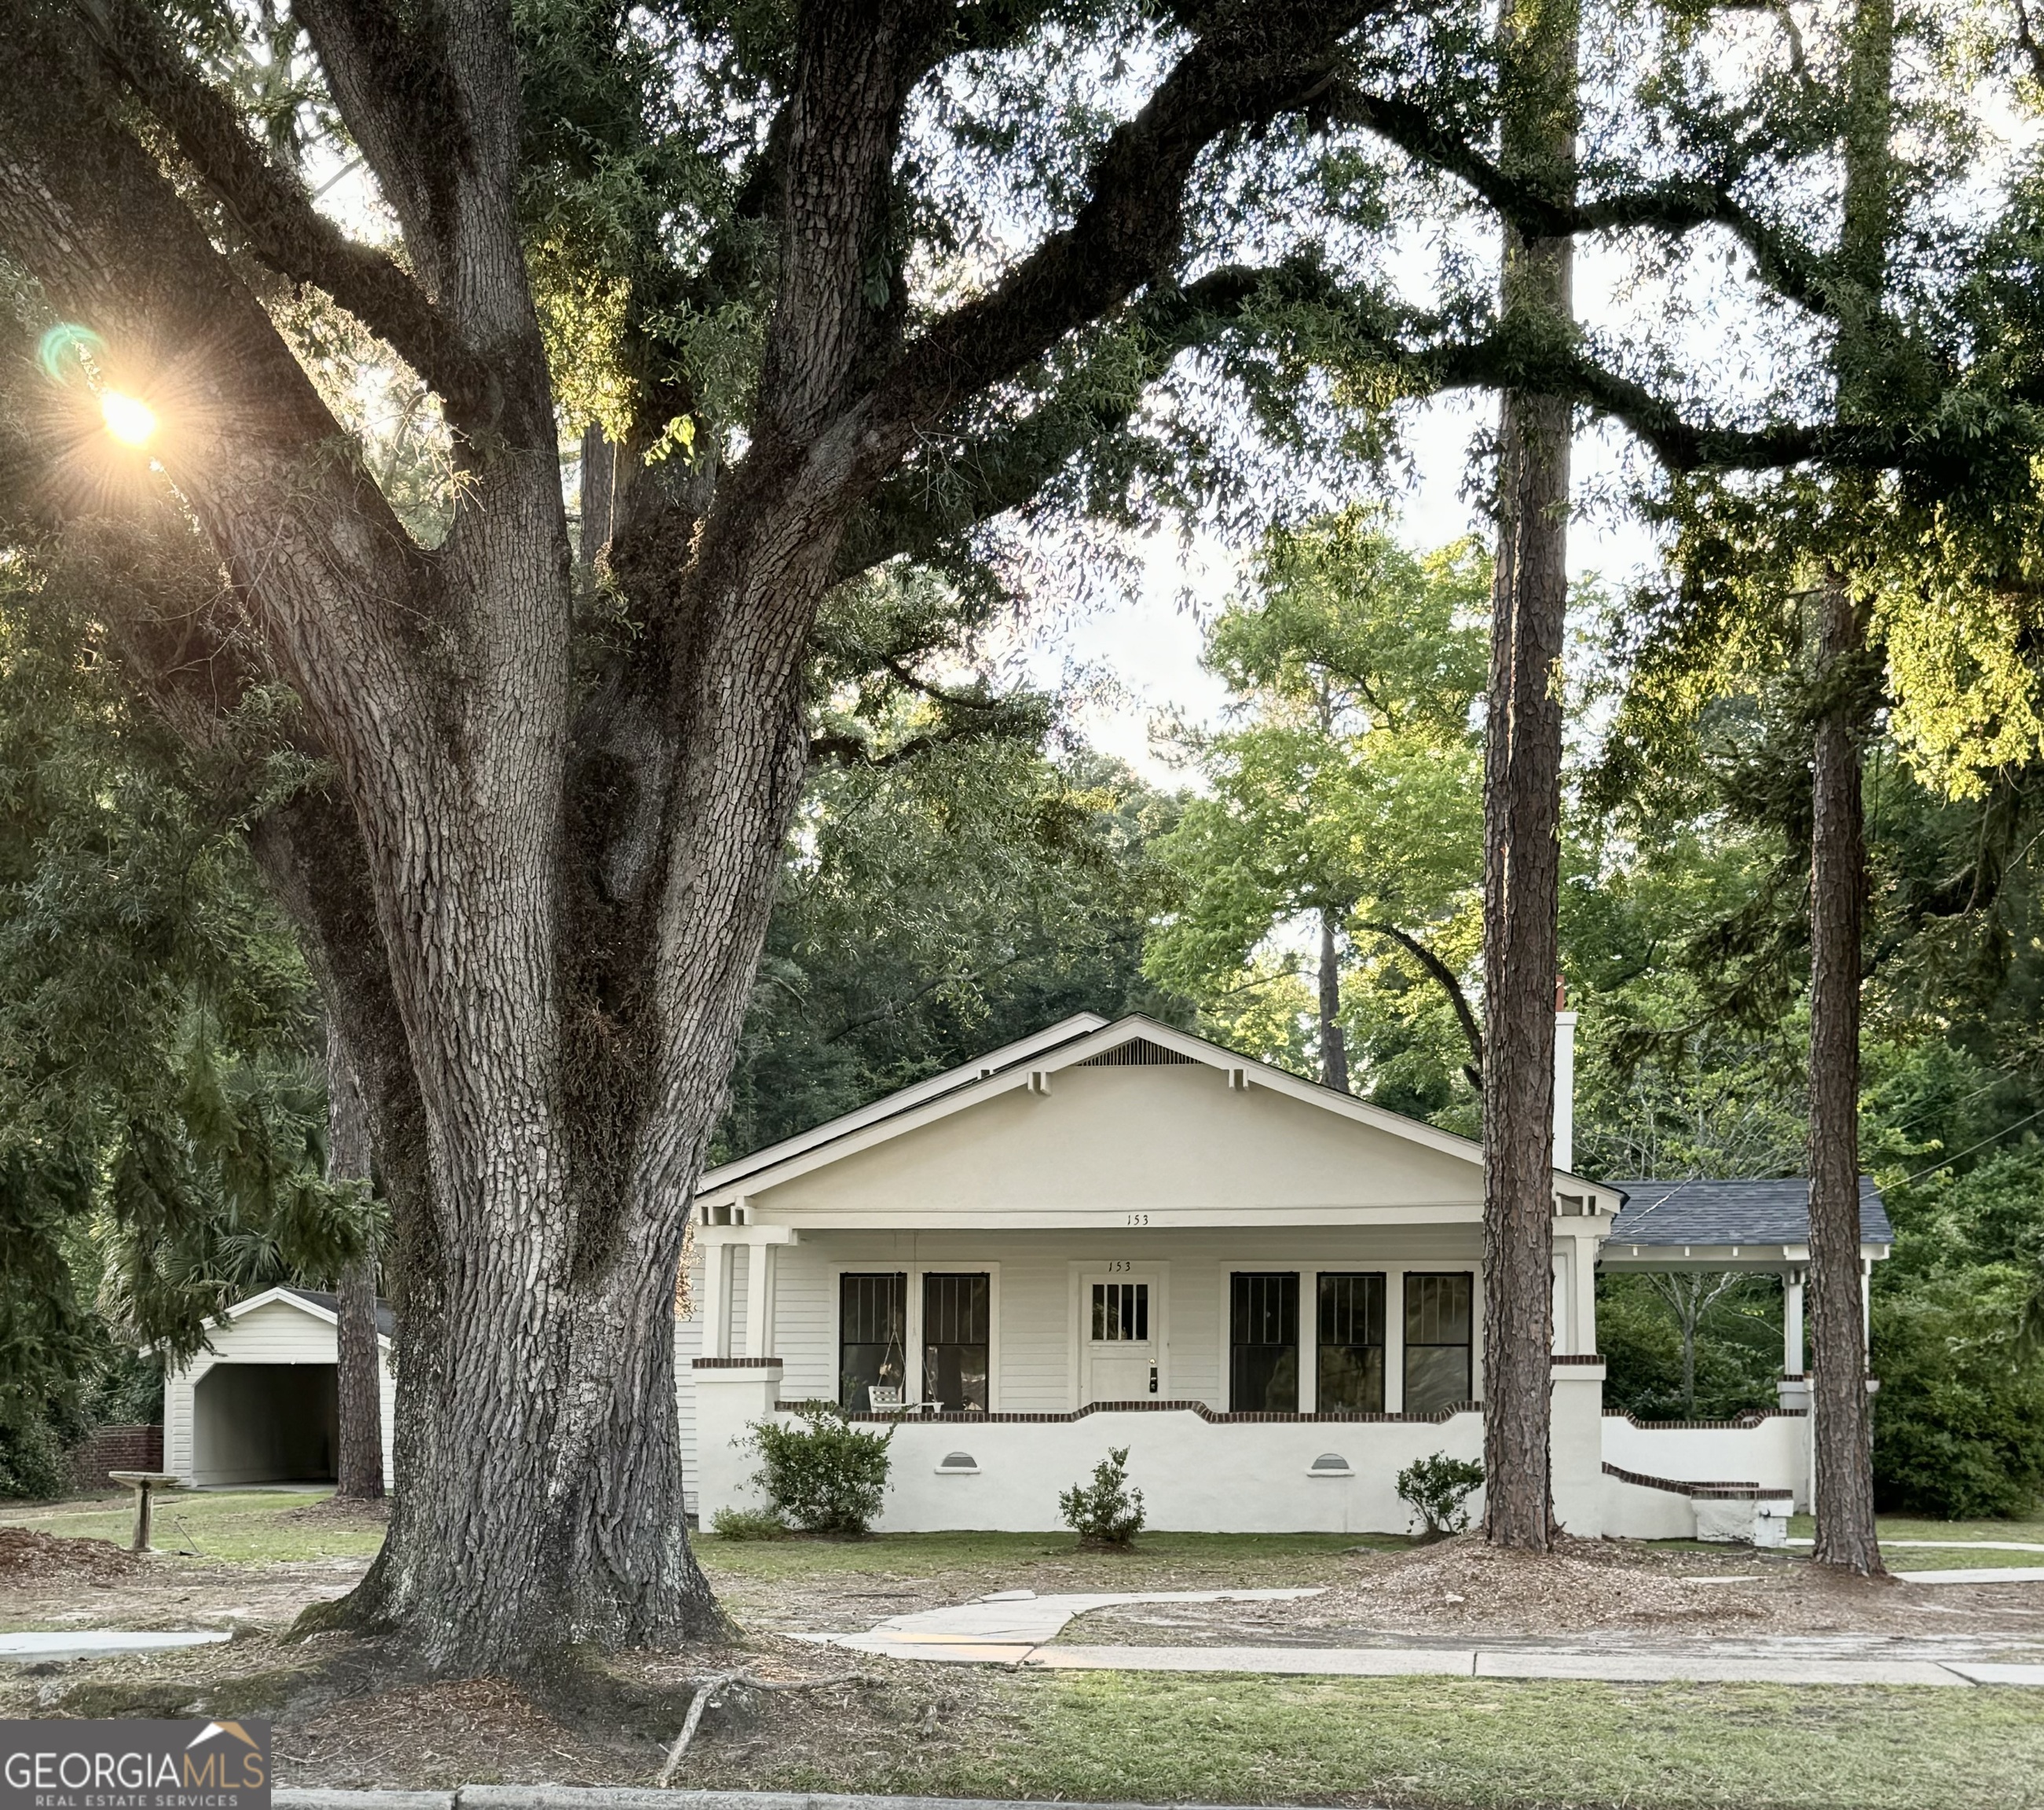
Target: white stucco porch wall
(1769,1450)
(1197,1474)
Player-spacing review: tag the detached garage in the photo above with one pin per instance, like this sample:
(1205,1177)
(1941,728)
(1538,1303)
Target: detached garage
(261,1404)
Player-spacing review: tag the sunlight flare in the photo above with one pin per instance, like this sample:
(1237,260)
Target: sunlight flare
(128,419)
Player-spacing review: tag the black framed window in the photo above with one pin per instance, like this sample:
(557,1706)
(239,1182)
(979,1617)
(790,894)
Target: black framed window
(1437,1341)
(872,1336)
(1350,1377)
(1263,1343)
(1121,1313)
(958,1330)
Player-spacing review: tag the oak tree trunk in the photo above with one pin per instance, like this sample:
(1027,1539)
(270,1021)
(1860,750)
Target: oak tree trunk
(1334,1047)
(1522,804)
(360,1473)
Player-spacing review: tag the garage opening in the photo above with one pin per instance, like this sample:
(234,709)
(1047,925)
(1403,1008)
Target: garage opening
(265,1424)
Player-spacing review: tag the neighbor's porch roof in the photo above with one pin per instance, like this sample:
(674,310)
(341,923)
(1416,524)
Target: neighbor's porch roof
(1729,1225)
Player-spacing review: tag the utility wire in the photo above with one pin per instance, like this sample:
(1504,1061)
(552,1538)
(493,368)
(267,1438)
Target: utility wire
(1947,1162)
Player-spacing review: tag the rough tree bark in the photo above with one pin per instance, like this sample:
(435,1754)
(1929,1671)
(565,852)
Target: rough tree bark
(1522,803)
(1334,1046)
(1842,1413)
(348,1160)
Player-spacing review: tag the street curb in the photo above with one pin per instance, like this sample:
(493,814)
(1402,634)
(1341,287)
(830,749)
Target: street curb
(639,1797)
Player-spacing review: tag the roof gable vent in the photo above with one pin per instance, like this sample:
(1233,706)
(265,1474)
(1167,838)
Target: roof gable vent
(1138,1052)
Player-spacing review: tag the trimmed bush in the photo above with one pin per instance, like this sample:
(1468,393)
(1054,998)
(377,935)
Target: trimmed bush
(1436,1489)
(826,1476)
(1105,1511)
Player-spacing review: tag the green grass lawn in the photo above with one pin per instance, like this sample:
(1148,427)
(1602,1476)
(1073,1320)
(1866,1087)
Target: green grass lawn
(1932,1559)
(1439,1741)
(1254,1557)
(256,1527)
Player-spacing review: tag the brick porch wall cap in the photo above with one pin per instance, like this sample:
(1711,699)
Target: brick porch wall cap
(1145,1406)
(1709,1492)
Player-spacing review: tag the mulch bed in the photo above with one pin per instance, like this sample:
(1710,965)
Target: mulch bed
(26,1555)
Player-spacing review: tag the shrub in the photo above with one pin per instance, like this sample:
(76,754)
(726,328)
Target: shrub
(826,1477)
(1436,1488)
(1958,1425)
(1105,1511)
(32,1462)
(748,1524)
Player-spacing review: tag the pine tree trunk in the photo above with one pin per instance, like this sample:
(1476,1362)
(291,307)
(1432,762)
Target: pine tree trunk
(1522,816)
(1841,1418)
(1334,1047)
(360,1471)
(1841,1414)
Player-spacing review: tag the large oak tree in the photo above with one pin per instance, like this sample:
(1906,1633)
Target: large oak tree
(837,283)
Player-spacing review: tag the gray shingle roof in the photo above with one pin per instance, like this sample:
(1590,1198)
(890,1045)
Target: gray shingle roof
(387,1321)
(1734,1213)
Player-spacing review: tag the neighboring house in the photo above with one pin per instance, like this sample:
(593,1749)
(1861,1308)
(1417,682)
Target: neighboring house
(1114,1235)
(260,1403)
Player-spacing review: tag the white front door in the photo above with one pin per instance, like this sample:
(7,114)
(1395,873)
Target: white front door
(1121,1336)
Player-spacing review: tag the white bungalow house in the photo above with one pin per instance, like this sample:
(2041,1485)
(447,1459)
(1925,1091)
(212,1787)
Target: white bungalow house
(1121,1234)
(260,1404)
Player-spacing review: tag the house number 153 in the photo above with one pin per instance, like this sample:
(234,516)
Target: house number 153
(1138,1219)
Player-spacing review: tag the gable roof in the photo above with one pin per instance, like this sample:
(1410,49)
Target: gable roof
(1084,1040)
(329,1307)
(1663,1213)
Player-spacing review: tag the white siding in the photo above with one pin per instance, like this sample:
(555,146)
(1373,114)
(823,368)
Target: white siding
(276,1333)
(1111,1140)
(688,1347)
(1040,1275)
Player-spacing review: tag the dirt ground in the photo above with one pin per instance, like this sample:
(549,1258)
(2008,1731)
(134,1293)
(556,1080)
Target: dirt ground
(48,1582)
(1465,1591)
(346,1714)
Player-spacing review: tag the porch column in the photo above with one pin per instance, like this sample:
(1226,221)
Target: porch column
(760,1267)
(1866,1310)
(1585,1277)
(1792,1323)
(1394,1341)
(716,1298)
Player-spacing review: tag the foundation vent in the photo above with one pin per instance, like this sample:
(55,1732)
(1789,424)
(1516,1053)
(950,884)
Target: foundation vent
(1138,1052)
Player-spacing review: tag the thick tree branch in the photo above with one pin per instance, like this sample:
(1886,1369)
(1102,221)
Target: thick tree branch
(276,216)
(326,573)
(1449,983)
(431,95)
(1677,206)
(946,493)
(1252,63)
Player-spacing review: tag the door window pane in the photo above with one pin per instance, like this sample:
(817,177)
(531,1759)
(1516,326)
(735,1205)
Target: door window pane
(1437,1341)
(1351,1343)
(957,1324)
(1121,1312)
(873,1333)
(1263,1343)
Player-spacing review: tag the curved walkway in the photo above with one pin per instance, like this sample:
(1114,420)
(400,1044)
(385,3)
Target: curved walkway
(1016,1628)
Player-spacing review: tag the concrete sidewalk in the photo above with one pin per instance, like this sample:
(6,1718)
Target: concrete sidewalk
(1016,1628)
